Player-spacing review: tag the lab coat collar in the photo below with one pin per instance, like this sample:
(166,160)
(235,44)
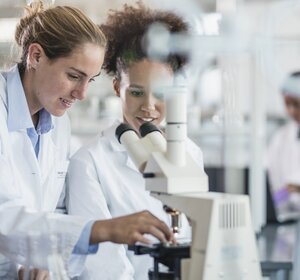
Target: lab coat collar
(17,106)
(110,134)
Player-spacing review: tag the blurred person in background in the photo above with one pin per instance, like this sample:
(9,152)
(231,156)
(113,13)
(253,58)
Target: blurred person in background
(283,155)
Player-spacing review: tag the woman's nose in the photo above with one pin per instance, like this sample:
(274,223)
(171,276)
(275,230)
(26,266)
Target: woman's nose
(80,92)
(148,104)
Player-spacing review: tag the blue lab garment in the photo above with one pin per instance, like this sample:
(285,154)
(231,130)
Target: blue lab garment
(82,247)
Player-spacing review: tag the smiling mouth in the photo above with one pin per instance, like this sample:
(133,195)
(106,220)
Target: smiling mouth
(68,103)
(146,119)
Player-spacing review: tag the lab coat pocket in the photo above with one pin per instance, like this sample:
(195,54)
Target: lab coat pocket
(55,184)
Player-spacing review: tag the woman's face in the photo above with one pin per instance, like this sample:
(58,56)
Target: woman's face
(56,84)
(138,92)
(293,107)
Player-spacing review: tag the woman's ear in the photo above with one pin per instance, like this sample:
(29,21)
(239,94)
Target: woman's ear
(35,53)
(116,85)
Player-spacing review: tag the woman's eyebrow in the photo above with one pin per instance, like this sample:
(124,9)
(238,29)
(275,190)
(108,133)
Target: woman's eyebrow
(78,71)
(83,73)
(136,86)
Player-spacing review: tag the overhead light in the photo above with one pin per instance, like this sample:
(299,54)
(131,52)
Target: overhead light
(8,27)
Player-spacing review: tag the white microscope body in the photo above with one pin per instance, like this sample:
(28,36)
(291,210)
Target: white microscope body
(223,241)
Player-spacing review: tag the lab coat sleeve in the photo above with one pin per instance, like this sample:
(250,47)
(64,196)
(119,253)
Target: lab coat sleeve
(86,198)
(19,227)
(272,160)
(22,228)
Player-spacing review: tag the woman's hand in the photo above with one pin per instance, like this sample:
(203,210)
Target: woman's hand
(292,188)
(35,274)
(131,229)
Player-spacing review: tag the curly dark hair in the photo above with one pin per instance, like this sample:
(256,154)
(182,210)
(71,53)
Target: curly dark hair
(125,30)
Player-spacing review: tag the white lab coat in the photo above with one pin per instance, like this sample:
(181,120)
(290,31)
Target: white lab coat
(30,189)
(103,183)
(283,161)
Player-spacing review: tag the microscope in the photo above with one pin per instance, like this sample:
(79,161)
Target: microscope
(223,242)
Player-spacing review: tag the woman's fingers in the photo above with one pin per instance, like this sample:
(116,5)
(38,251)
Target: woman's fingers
(130,229)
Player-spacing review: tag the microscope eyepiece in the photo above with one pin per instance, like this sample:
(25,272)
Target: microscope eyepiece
(147,128)
(123,127)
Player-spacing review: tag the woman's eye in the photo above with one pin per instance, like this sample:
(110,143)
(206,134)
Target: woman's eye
(73,77)
(91,80)
(136,93)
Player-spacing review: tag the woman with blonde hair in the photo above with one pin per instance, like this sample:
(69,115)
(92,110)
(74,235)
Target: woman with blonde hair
(62,52)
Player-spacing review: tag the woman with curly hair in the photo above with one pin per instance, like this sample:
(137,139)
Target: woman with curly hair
(103,181)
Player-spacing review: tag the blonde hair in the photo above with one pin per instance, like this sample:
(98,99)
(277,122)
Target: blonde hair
(59,30)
